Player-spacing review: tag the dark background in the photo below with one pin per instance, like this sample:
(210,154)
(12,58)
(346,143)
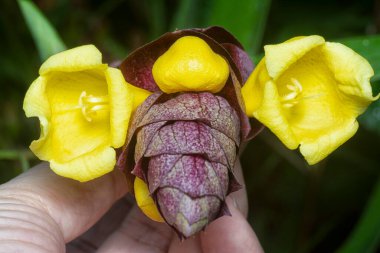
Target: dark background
(330,207)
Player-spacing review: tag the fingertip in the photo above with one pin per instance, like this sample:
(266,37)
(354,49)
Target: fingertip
(239,197)
(230,234)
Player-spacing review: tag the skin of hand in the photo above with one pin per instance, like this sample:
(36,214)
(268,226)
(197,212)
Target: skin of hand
(42,212)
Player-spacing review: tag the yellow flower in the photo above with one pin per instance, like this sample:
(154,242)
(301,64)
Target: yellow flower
(145,201)
(84,108)
(309,92)
(190,65)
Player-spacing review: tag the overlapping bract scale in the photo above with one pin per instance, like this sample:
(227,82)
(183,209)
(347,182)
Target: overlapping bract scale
(186,148)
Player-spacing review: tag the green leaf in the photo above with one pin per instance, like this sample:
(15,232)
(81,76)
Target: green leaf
(185,15)
(245,19)
(366,236)
(157,20)
(44,35)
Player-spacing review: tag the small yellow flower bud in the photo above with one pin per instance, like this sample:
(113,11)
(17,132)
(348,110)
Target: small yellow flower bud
(145,201)
(190,65)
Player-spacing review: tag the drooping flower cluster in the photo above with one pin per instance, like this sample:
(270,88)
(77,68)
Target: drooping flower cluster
(179,109)
(183,140)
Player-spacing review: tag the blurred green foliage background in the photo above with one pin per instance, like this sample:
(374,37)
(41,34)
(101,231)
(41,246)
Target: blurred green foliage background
(331,207)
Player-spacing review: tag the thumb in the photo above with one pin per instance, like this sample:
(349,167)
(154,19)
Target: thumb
(72,207)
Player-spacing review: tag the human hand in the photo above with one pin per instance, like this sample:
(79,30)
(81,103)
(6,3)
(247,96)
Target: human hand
(42,212)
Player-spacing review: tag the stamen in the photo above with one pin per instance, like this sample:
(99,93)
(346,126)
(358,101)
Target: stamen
(91,105)
(289,105)
(292,98)
(297,84)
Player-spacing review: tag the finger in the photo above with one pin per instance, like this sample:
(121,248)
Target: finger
(93,238)
(190,245)
(230,234)
(240,197)
(72,206)
(138,234)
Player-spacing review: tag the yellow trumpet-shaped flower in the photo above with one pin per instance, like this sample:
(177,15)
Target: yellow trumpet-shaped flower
(84,108)
(309,93)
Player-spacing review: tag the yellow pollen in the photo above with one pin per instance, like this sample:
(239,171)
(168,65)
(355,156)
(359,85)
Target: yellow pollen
(91,106)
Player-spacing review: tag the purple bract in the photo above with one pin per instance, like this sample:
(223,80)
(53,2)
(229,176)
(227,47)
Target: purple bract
(185,145)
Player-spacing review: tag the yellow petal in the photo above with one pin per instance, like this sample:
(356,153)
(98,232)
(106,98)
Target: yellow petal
(88,166)
(280,56)
(140,95)
(64,89)
(76,59)
(145,201)
(320,148)
(71,135)
(353,74)
(121,102)
(36,104)
(190,65)
(316,107)
(253,89)
(271,114)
